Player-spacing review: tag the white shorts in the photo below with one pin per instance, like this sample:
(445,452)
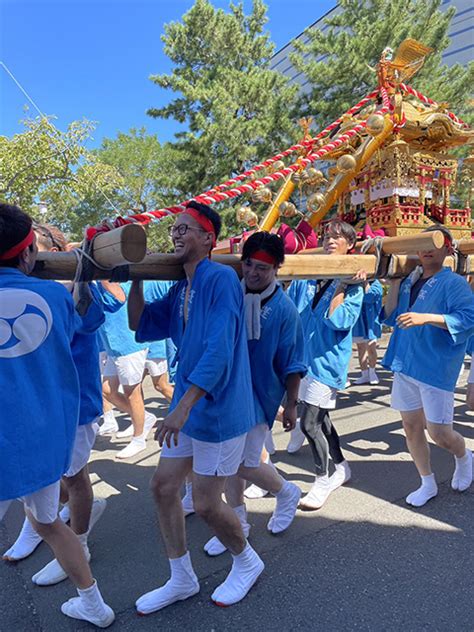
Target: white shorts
(128,368)
(409,394)
(209,459)
(81,450)
(43,504)
(470,379)
(156,366)
(317,394)
(359,340)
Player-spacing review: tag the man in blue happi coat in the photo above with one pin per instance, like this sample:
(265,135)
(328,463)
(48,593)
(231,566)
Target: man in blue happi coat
(40,404)
(276,350)
(432,312)
(212,408)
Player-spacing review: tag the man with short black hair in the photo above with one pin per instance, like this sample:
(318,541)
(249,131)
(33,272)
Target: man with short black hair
(432,312)
(211,411)
(328,319)
(276,350)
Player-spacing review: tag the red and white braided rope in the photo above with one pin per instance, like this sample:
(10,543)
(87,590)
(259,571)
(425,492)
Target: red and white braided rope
(214,195)
(299,146)
(428,101)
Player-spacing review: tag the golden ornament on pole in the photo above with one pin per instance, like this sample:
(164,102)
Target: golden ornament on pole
(245,215)
(375,124)
(314,202)
(311,176)
(288,210)
(262,195)
(346,164)
(274,167)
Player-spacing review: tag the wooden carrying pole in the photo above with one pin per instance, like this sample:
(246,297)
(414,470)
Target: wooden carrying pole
(62,266)
(117,247)
(404,245)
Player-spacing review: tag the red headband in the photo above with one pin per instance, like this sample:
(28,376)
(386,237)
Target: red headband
(203,221)
(261,255)
(15,250)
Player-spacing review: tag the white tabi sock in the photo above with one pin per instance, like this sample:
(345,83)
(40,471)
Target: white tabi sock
(25,544)
(182,584)
(246,568)
(424,493)
(214,546)
(287,500)
(89,606)
(462,477)
(318,494)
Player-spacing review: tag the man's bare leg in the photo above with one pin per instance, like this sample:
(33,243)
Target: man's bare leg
(446,437)
(110,390)
(89,605)
(414,424)
(166,485)
(208,503)
(134,395)
(162,385)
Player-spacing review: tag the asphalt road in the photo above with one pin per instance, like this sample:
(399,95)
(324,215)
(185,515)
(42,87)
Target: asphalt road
(365,561)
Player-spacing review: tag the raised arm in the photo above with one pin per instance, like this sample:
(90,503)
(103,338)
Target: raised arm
(135,304)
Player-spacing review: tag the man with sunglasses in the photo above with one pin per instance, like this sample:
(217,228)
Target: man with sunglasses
(212,408)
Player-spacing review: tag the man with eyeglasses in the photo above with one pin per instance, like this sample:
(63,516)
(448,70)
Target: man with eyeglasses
(212,408)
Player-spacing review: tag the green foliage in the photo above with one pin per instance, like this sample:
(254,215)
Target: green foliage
(339,61)
(235,108)
(45,164)
(145,166)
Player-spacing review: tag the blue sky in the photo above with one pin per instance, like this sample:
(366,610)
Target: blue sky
(92,59)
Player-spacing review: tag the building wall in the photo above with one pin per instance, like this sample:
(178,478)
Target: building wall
(461,49)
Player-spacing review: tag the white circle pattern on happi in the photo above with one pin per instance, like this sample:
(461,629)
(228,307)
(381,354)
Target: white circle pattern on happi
(26,317)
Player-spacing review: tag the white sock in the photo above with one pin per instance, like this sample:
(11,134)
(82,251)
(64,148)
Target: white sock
(25,544)
(109,417)
(427,490)
(462,477)
(287,500)
(89,606)
(182,584)
(246,568)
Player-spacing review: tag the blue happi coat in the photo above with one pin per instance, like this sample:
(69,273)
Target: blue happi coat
(427,353)
(277,354)
(211,350)
(38,382)
(328,339)
(154,291)
(368,324)
(85,351)
(301,293)
(116,336)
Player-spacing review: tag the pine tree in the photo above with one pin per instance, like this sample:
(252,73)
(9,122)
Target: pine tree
(235,108)
(337,61)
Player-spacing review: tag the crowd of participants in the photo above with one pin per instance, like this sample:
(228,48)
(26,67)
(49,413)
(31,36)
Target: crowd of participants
(230,357)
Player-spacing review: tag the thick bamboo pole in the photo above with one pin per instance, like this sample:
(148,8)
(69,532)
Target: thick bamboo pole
(466,246)
(126,244)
